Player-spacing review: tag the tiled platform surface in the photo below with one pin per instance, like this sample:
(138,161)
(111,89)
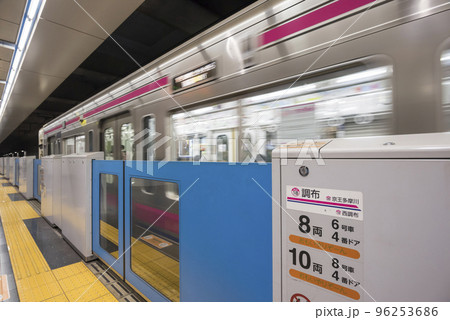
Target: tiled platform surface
(35,279)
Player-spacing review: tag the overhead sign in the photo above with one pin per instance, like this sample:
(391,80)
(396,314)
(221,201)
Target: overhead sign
(195,77)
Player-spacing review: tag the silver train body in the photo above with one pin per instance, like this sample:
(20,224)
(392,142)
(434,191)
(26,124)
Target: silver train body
(274,72)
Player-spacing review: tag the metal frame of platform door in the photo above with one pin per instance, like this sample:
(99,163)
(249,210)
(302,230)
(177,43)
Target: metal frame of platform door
(112,167)
(36,164)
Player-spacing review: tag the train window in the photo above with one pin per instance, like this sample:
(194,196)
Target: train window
(349,103)
(150,127)
(222,147)
(109,143)
(109,213)
(155,225)
(445,61)
(58,146)
(91,141)
(197,133)
(69,145)
(80,144)
(127,141)
(49,146)
(356,103)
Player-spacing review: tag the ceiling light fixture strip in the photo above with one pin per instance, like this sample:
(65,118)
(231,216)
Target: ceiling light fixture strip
(32,13)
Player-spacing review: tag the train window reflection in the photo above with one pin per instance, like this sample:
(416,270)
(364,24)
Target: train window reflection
(109,143)
(349,103)
(445,61)
(155,223)
(127,141)
(109,214)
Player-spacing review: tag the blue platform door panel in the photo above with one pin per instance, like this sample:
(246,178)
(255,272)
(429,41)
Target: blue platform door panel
(37,179)
(152,233)
(107,213)
(198,232)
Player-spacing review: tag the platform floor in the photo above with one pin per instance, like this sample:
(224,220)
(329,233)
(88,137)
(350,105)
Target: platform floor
(36,264)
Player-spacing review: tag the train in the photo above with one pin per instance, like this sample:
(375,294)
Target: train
(275,72)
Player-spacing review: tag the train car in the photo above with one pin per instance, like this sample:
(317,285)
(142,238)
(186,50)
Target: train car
(276,71)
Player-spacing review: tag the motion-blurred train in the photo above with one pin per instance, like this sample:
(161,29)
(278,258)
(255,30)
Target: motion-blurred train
(276,71)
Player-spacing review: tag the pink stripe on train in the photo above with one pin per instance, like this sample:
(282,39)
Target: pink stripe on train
(311,19)
(133,94)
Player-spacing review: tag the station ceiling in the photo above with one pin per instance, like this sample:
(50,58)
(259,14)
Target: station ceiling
(145,29)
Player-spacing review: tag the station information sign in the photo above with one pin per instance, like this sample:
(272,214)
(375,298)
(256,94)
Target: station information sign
(323,245)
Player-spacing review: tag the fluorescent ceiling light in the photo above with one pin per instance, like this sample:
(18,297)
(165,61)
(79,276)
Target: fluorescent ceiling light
(33,10)
(26,30)
(16,62)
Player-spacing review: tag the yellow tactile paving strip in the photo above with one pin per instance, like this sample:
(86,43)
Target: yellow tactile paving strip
(157,269)
(35,280)
(80,284)
(26,258)
(25,210)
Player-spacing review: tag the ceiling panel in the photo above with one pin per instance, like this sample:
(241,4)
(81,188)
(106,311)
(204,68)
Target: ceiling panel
(5,54)
(4,67)
(56,50)
(34,84)
(108,13)
(8,31)
(12,10)
(32,89)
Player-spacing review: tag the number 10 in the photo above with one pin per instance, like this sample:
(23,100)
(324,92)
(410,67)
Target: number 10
(304,258)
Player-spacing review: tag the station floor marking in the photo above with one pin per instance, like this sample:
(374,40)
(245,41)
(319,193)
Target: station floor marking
(35,280)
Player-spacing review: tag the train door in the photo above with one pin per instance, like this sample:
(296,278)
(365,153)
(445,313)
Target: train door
(118,138)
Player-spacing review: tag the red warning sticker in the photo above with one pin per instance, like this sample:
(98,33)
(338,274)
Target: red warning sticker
(299,298)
